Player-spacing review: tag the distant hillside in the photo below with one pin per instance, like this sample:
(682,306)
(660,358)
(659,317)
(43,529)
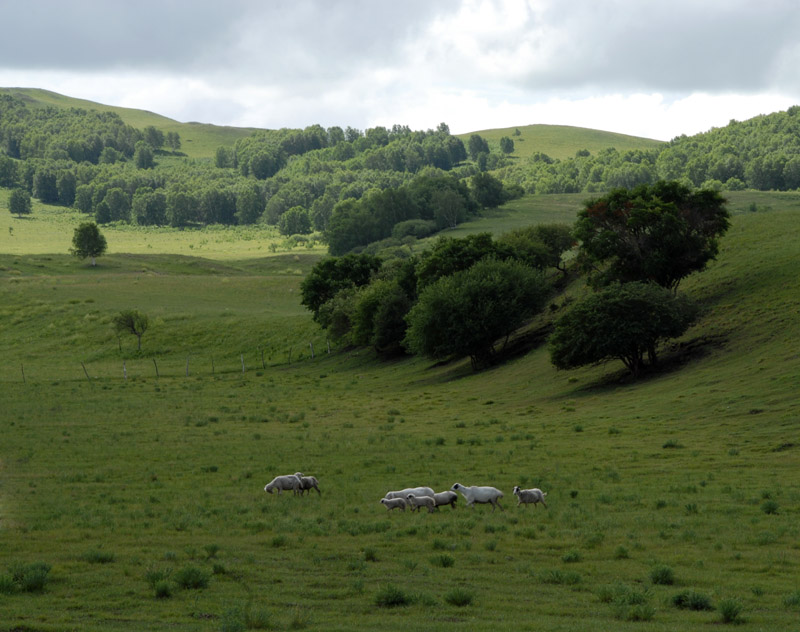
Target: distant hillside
(198,140)
(560,141)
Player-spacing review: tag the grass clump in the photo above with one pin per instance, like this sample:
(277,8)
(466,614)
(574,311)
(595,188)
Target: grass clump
(571,557)
(392,597)
(770,507)
(730,610)
(97,556)
(558,577)
(690,600)
(192,578)
(662,576)
(459,597)
(443,560)
(29,577)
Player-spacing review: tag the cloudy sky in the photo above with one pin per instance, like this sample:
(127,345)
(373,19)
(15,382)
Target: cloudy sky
(654,68)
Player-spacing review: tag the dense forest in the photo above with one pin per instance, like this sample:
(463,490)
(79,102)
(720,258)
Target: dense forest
(375,189)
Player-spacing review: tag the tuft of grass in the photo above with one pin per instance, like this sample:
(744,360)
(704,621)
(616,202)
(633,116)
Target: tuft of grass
(97,556)
(443,560)
(30,577)
(691,600)
(558,577)
(730,610)
(192,578)
(571,557)
(770,507)
(391,596)
(459,597)
(662,576)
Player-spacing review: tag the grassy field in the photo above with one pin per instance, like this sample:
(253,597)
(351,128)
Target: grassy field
(144,495)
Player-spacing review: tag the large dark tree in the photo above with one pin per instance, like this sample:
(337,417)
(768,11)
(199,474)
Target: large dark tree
(88,241)
(19,202)
(132,321)
(622,321)
(466,313)
(334,274)
(659,233)
(448,256)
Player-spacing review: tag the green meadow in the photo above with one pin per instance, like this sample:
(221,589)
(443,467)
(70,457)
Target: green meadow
(131,484)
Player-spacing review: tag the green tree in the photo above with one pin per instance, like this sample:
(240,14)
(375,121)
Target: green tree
(119,205)
(153,137)
(449,255)
(249,204)
(149,207)
(477,145)
(622,321)
(143,156)
(506,145)
(295,221)
(19,202)
(659,233)
(333,274)
(131,321)
(449,208)
(173,141)
(88,241)
(466,313)
(66,184)
(487,190)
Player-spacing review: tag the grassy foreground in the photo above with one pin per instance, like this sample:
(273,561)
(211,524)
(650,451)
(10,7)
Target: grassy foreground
(144,496)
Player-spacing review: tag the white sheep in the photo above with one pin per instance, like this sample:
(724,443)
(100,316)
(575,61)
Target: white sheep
(421,501)
(394,503)
(307,483)
(283,483)
(403,493)
(445,498)
(528,496)
(480,495)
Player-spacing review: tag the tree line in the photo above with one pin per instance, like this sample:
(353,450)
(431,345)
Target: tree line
(466,297)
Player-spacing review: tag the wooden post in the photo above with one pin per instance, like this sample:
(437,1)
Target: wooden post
(241,357)
(329,346)
(86,373)
(187,366)
(124,370)
(22,367)
(263,366)
(311,346)
(212,365)
(290,355)
(156,365)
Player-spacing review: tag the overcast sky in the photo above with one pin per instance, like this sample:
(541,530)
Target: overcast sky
(653,68)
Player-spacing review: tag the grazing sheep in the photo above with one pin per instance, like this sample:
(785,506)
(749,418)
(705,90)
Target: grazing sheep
(479,495)
(421,501)
(307,483)
(283,483)
(403,493)
(394,503)
(445,498)
(528,496)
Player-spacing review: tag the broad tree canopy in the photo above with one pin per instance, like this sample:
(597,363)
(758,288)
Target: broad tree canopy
(659,233)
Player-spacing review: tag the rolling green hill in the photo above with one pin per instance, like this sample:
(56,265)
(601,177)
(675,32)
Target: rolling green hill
(198,140)
(129,474)
(560,141)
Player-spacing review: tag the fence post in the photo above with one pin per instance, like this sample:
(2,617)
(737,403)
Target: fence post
(156,365)
(263,366)
(290,355)
(329,346)
(311,346)
(187,366)
(22,367)
(212,365)
(241,357)
(124,370)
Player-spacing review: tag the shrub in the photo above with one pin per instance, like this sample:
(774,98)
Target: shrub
(662,576)
(730,609)
(791,600)
(391,597)
(191,577)
(621,553)
(459,597)
(690,600)
(7,585)
(556,576)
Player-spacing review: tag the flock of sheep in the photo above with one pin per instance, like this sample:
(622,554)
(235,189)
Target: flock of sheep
(417,497)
